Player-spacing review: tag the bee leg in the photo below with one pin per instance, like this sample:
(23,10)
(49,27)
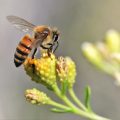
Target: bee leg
(33,55)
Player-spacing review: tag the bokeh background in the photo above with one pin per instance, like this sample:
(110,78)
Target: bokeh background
(78,21)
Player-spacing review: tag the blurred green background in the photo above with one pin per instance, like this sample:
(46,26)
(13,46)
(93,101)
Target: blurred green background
(78,21)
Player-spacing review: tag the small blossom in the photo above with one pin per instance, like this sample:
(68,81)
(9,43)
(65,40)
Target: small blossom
(66,70)
(116,56)
(102,48)
(92,54)
(35,96)
(62,68)
(112,40)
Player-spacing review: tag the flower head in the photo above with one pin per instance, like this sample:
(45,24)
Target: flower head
(112,40)
(66,70)
(35,96)
(42,70)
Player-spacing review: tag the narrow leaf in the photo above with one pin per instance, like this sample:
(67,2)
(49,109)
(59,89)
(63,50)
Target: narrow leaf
(87,97)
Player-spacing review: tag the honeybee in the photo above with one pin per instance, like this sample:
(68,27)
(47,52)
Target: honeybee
(43,37)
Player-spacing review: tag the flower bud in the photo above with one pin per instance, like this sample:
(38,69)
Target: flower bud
(102,48)
(92,54)
(112,40)
(42,70)
(35,96)
(116,56)
(66,70)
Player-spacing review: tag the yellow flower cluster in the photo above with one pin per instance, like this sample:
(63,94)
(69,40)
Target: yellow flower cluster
(42,70)
(47,69)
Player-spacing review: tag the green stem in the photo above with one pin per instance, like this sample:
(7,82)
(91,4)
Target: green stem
(63,97)
(75,109)
(55,104)
(74,97)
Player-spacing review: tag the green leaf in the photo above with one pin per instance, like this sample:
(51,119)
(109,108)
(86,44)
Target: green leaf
(64,87)
(60,110)
(87,97)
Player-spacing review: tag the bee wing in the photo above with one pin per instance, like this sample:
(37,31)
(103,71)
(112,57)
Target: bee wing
(20,23)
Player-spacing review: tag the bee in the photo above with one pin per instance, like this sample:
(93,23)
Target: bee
(43,36)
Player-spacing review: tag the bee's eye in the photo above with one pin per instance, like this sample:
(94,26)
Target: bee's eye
(55,37)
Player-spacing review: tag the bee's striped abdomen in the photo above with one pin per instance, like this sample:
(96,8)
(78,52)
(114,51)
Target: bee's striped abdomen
(22,51)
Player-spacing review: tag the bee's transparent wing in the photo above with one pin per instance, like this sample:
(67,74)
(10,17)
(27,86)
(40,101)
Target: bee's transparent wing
(20,23)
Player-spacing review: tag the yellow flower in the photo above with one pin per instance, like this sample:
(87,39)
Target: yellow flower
(42,70)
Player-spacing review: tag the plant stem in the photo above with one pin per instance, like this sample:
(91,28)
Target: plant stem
(75,109)
(74,97)
(55,104)
(63,97)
